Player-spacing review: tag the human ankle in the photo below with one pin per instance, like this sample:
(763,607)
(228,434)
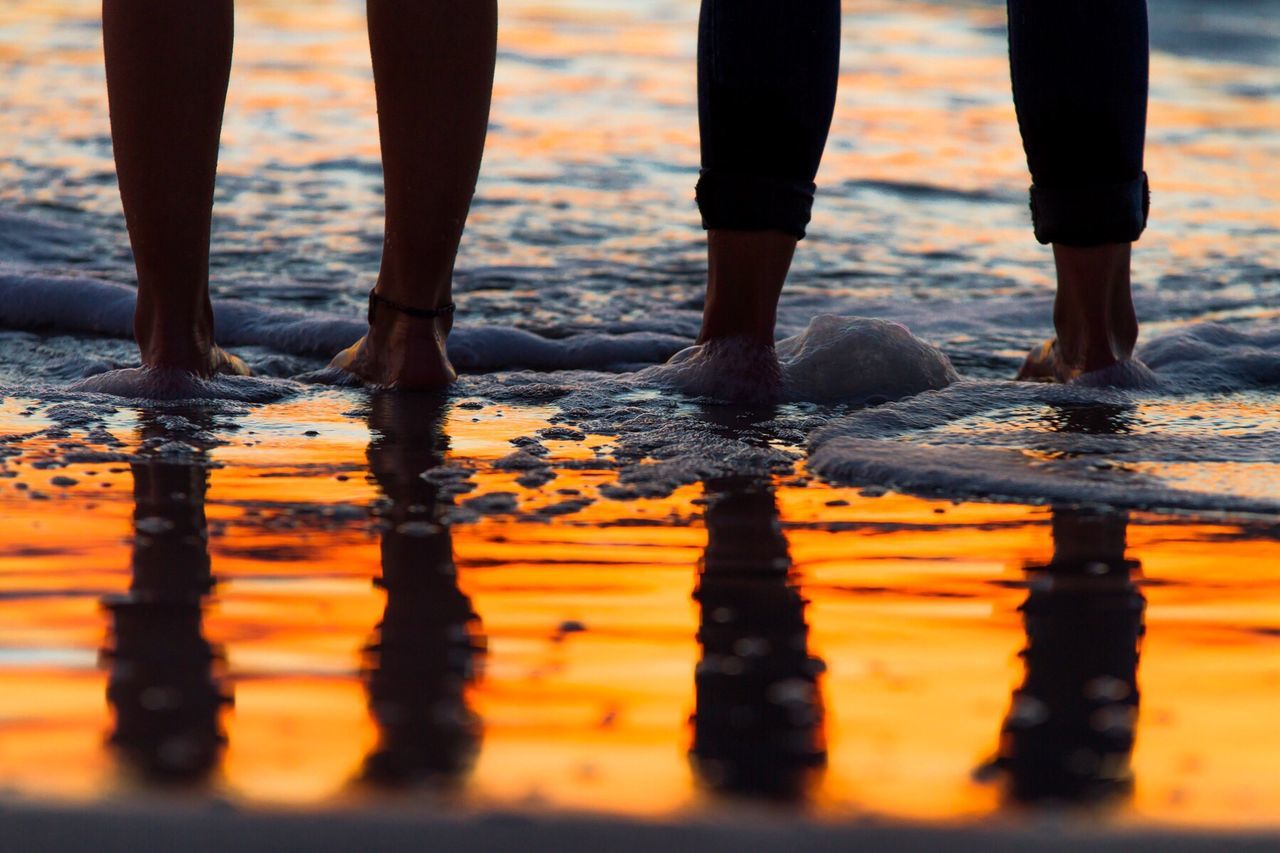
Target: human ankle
(745,275)
(1093,310)
(172,338)
(736,324)
(418,282)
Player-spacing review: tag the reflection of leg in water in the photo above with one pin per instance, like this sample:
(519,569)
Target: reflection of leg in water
(1070,730)
(163,687)
(1092,418)
(428,642)
(758,722)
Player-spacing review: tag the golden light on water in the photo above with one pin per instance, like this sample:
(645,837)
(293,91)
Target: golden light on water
(587,625)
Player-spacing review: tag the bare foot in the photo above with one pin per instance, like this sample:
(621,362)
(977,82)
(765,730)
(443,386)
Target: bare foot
(734,358)
(227,364)
(736,370)
(182,365)
(1093,314)
(401,352)
(174,336)
(193,354)
(1042,364)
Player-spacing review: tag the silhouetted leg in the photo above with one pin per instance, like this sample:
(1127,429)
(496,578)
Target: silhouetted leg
(767,73)
(433,67)
(1070,730)
(163,687)
(758,720)
(1080,86)
(167,70)
(428,645)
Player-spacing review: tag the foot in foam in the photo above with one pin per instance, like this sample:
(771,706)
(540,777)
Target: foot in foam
(834,360)
(1042,364)
(226,377)
(226,364)
(738,370)
(174,383)
(405,353)
(1045,364)
(1097,327)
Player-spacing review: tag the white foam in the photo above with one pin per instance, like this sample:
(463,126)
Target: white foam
(834,360)
(1007,473)
(1052,443)
(74,304)
(142,383)
(1213,357)
(1131,373)
(855,359)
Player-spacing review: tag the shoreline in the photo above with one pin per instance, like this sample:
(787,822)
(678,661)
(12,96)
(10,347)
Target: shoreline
(217,827)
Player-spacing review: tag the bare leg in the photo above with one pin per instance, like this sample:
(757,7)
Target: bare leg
(167,71)
(433,69)
(734,356)
(746,273)
(1093,315)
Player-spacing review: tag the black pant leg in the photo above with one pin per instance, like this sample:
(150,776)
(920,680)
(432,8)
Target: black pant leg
(1080,86)
(767,72)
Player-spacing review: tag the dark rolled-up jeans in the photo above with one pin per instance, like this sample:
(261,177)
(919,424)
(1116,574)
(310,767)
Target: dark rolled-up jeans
(767,72)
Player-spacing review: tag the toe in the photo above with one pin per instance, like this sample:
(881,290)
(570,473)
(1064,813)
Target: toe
(232,365)
(346,359)
(1041,364)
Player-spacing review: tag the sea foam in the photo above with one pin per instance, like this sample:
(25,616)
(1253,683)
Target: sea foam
(834,360)
(79,304)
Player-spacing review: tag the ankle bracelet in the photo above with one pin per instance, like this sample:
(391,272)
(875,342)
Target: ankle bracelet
(409,311)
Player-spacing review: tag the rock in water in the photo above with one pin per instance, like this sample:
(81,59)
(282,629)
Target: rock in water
(858,359)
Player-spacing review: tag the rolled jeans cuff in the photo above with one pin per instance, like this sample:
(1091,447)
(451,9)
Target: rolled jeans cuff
(746,203)
(1091,215)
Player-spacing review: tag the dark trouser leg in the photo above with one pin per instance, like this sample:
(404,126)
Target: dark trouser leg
(1080,86)
(767,72)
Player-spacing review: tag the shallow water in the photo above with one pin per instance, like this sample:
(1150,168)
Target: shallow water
(535,622)
(371,629)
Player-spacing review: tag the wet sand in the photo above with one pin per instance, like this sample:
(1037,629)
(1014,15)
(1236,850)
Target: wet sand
(127,829)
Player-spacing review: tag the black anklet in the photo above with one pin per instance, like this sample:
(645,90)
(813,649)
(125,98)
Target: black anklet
(409,311)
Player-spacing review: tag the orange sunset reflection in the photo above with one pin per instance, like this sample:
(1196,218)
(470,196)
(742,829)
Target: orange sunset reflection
(366,643)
